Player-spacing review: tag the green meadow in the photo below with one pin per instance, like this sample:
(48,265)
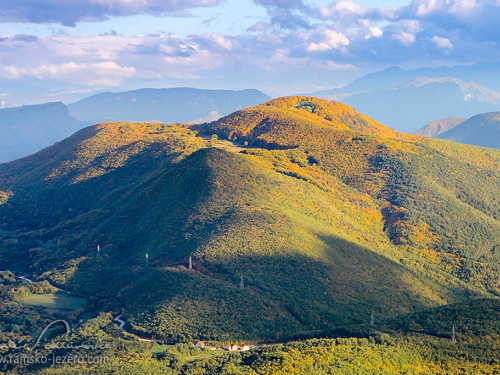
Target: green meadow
(57,300)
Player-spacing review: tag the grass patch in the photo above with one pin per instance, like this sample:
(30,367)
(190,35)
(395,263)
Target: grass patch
(201,356)
(57,300)
(161,348)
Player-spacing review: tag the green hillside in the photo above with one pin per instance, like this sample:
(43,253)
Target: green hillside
(327,215)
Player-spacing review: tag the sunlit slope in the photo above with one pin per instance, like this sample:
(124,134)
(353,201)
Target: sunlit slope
(265,123)
(438,198)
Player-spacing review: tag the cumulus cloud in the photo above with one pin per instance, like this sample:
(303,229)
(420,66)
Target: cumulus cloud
(287,14)
(328,40)
(349,9)
(68,13)
(442,43)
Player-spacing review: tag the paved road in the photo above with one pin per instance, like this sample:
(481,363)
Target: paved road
(122,323)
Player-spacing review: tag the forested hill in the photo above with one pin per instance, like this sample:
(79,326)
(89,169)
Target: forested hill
(326,213)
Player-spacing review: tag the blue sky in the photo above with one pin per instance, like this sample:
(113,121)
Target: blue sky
(279,46)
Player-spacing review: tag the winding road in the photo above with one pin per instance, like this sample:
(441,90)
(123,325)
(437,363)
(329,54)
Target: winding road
(117,319)
(122,323)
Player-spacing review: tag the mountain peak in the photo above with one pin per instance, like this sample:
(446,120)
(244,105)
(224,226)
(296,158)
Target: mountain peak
(300,113)
(480,130)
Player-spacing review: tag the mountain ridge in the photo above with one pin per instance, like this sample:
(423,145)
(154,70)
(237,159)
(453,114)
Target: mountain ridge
(438,127)
(170,105)
(28,129)
(480,130)
(400,106)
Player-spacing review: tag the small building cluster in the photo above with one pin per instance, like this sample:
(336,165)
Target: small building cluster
(236,348)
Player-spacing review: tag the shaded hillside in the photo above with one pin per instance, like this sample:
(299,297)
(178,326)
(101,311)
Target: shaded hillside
(163,105)
(480,130)
(327,215)
(26,130)
(406,106)
(438,127)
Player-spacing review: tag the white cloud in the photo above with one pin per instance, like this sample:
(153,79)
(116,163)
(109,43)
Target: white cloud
(426,7)
(107,73)
(463,8)
(405,38)
(374,32)
(339,36)
(442,43)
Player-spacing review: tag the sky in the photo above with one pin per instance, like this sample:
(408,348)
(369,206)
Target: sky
(281,47)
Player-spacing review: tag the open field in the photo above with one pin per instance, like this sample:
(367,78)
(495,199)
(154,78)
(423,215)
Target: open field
(161,348)
(57,301)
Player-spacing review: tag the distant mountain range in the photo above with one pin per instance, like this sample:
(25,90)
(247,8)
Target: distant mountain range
(163,105)
(406,99)
(28,129)
(485,74)
(480,130)
(25,130)
(407,105)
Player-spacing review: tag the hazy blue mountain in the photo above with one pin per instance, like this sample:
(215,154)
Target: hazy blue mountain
(485,74)
(480,130)
(163,105)
(437,127)
(406,106)
(28,129)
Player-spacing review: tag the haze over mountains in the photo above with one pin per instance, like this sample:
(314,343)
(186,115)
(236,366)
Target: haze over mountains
(163,105)
(480,130)
(404,100)
(437,127)
(26,130)
(485,74)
